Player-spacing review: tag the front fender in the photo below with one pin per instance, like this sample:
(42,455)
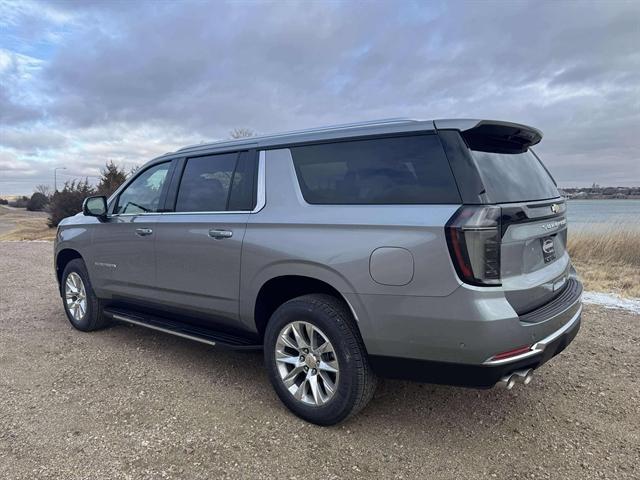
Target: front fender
(74,233)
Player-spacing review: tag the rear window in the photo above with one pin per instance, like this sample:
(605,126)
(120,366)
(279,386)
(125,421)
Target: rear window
(205,183)
(399,170)
(514,177)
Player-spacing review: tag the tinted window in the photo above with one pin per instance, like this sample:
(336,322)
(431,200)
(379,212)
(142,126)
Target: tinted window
(241,197)
(400,170)
(143,194)
(514,177)
(205,183)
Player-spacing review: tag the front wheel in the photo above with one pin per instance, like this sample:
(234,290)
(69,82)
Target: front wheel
(83,308)
(316,359)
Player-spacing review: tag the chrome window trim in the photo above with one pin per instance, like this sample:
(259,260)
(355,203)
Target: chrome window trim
(261,195)
(261,199)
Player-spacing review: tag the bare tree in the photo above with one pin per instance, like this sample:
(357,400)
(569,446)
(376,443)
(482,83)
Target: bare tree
(241,133)
(44,190)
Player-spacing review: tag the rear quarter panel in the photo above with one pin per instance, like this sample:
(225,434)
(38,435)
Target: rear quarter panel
(334,243)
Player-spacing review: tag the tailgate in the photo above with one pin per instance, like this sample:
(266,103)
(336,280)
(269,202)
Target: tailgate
(535,264)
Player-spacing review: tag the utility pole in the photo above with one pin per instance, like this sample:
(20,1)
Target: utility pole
(55,179)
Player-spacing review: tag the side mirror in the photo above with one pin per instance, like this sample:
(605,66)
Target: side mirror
(95,206)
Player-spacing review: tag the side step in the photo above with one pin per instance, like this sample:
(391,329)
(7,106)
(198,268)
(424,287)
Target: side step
(182,329)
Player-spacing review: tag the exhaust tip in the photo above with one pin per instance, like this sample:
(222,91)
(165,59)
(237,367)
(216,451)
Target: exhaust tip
(525,376)
(507,382)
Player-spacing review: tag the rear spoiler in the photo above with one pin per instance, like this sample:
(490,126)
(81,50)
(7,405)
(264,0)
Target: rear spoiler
(493,136)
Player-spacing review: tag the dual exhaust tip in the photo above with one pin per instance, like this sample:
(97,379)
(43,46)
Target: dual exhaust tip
(524,376)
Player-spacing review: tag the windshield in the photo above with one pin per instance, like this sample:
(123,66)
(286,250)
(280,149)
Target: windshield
(514,177)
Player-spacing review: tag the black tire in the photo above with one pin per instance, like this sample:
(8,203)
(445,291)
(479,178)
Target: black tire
(356,382)
(93,319)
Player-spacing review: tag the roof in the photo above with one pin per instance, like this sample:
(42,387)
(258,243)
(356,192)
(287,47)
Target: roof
(349,130)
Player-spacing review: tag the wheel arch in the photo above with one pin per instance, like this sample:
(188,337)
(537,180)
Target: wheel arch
(63,257)
(280,289)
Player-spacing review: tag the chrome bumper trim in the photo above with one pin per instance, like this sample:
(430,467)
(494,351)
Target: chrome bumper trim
(538,347)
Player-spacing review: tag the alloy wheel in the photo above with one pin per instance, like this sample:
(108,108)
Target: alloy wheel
(307,363)
(75,296)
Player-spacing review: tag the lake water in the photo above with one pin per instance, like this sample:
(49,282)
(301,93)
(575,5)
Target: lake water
(600,215)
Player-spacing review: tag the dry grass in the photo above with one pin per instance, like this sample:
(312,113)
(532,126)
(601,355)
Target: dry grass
(608,261)
(18,224)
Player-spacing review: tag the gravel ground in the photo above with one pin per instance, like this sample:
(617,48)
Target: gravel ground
(131,403)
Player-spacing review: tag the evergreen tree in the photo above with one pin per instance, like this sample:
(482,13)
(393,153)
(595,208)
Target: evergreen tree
(111,177)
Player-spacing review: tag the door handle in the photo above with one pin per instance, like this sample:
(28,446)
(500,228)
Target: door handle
(143,232)
(219,234)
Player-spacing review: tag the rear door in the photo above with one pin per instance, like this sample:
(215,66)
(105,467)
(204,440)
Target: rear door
(199,242)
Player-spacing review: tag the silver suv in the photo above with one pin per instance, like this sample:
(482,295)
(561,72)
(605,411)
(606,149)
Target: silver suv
(424,250)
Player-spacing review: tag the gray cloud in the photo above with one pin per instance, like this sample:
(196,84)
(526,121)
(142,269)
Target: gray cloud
(193,71)
(13,113)
(33,139)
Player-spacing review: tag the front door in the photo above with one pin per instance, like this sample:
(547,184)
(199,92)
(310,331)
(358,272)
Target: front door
(124,263)
(198,245)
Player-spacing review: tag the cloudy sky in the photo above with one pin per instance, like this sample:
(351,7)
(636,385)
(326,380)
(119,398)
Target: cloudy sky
(83,82)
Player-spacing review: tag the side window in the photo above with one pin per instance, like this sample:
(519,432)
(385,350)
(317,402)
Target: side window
(244,180)
(205,183)
(398,170)
(143,194)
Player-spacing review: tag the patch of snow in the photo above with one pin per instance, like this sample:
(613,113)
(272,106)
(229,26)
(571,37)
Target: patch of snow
(611,300)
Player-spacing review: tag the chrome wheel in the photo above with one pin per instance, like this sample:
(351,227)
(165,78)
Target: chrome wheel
(307,363)
(75,296)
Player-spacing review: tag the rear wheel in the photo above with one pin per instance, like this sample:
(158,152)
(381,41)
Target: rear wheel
(83,308)
(316,359)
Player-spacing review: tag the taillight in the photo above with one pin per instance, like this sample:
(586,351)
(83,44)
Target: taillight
(474,236)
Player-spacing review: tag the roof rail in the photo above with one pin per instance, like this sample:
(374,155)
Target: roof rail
(344,126)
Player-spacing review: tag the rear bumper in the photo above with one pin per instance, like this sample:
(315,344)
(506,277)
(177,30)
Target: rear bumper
(545,345)
(469,326)
(484,375)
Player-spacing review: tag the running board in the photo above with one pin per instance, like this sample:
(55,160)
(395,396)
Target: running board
(182,329)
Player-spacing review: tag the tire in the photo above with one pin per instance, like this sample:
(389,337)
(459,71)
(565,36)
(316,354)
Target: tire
(90,318)
(332,396)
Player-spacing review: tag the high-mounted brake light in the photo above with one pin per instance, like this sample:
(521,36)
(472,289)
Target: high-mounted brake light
(474,236)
